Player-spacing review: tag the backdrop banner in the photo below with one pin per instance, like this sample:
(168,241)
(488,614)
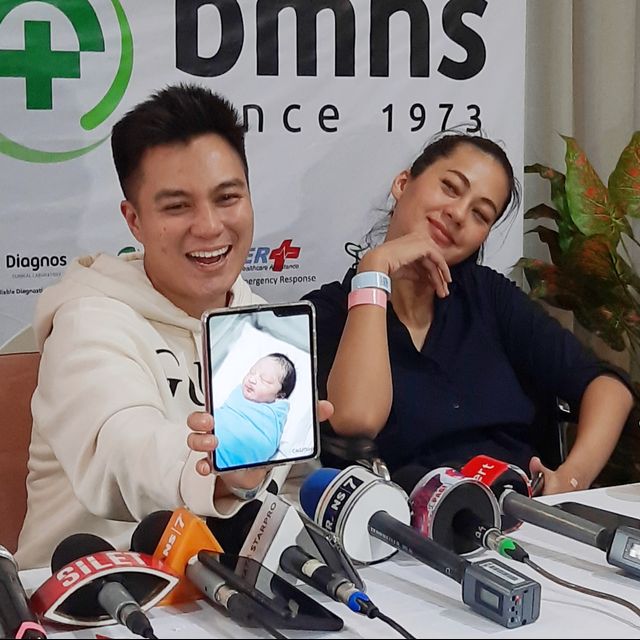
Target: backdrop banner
(338,97)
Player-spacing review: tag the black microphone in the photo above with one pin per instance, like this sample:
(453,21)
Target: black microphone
(549,517)
(459,512)
(621,544)
(442,499)
(354,502)
(108,592)
(274,534)
(243,603)
(189,547)
(16,618)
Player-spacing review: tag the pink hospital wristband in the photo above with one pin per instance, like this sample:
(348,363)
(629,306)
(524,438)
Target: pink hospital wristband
(367,295)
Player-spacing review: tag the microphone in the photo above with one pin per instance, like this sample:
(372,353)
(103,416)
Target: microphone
(620,544)
(371,517)
(179,538)
(16,618)
(196,554)
(174,538)
(458,512)
(440,499)
(85,553)
(274,533)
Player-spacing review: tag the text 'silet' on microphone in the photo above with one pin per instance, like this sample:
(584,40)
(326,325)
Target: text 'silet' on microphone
(92,584)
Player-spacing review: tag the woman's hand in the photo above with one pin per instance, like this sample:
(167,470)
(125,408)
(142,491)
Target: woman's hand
(414,256)
(561,480)
(202,439)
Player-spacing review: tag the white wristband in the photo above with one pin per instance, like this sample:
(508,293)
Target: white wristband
(371,280)
(247,494)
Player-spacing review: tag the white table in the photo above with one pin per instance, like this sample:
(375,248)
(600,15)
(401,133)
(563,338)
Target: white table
(429,605)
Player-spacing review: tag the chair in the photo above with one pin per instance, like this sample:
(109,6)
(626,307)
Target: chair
(18,376)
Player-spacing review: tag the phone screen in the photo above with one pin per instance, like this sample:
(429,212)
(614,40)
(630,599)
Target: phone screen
(260,384)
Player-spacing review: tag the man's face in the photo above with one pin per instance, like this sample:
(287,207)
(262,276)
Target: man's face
(191,210)
(263,383)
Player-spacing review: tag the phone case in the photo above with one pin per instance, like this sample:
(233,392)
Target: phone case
(260,384)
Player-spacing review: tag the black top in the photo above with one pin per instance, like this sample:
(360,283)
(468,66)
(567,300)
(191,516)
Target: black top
(491,360)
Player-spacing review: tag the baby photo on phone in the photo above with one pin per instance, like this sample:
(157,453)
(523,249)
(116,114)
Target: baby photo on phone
(261,388)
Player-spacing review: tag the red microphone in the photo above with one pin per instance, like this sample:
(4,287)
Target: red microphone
(498,476)
(92,584)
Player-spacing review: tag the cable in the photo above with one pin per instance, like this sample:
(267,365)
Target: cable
(242,608)
(139,624)
(371,611)
(581,589)
(269,629)
(393,624)
(509,548)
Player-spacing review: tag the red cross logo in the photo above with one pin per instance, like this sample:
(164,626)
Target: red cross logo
(284,251)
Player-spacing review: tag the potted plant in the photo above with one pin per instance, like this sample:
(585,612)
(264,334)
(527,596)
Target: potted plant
(591,271)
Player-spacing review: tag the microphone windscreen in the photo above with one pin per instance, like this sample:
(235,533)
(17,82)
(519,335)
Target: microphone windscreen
(77,546)
(313,487)
(409,476)
(147,534)
(232,532)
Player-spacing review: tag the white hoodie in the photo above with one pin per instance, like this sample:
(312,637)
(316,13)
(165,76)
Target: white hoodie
(119,374)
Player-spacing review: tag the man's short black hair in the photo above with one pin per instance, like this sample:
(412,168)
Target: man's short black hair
(173,115)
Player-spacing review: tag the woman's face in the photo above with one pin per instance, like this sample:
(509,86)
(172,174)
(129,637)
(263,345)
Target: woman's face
(456,200)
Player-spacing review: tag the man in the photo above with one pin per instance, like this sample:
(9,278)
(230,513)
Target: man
(121,337)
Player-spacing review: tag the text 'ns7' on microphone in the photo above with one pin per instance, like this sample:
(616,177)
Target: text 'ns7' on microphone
(621,545)
(371,517)
(189,548)
(92,584)
(16,618)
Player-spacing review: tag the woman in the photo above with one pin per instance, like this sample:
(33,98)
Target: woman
(454,365)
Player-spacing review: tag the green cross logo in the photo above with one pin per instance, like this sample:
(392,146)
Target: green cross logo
(40,65)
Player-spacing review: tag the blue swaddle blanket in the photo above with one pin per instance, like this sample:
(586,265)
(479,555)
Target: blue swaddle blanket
(248,431)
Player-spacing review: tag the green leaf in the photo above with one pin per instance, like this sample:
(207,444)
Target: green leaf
(591,257)
(542,211)
(626,272)
(548,283)
(550,238)
(589,205)
(624,182)
(603,323)
(557,180)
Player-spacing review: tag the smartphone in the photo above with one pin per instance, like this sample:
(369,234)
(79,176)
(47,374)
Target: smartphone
(332,551)
(288,607)
(608,519)
(224,565)
(260,384)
